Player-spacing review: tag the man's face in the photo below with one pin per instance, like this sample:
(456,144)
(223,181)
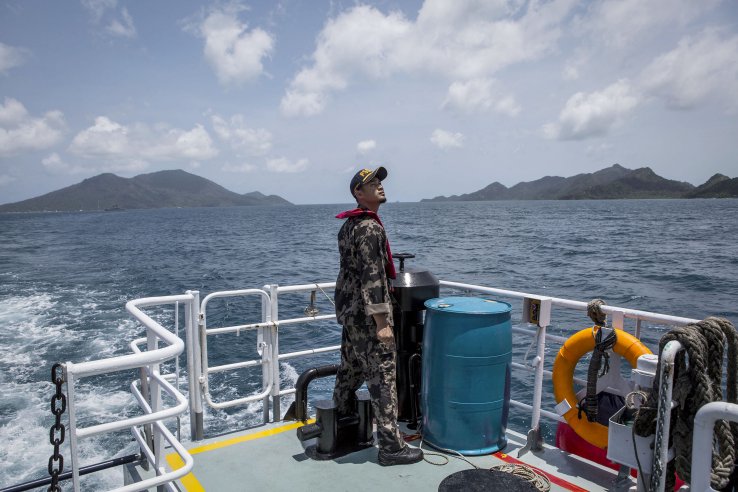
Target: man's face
(371,193)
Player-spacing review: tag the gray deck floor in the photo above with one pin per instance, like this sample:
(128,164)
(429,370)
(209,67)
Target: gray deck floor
(271,458)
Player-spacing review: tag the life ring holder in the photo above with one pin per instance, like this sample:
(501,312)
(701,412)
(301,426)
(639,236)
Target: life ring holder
(582,342)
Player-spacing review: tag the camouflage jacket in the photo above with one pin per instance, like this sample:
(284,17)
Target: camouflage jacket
(362,286)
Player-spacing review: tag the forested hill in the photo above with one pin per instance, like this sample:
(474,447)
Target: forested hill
(162,189)
(613,182)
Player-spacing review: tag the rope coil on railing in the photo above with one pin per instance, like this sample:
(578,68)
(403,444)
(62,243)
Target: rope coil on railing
(697,381)
(58,407)
(595,313)
(599,364)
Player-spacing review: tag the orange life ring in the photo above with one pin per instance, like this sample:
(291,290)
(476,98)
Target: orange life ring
(627,346)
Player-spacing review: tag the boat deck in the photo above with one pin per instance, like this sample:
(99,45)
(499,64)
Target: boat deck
(270,457)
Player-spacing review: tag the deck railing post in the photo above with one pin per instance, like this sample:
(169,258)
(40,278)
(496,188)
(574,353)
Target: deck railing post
(264,348)
(152,343)
(193,363)
(274,297)
(73,444)
(535,440)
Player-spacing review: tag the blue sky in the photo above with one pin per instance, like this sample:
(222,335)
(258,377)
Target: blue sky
(293,97)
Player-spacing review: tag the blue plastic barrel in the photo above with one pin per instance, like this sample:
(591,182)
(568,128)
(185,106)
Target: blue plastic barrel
(465,388)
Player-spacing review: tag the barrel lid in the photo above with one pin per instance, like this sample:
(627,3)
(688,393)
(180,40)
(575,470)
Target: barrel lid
(472,305)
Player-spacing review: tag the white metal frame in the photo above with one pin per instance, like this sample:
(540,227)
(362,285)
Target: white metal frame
(704,424)
(262,343)
(196,332)
(154,413)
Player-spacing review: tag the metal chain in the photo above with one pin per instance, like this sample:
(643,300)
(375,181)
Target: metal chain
(56,433)
(664,406)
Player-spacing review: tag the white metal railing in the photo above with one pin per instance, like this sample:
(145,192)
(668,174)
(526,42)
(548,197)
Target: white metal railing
(262,344)
(154,414)
(267,330)
(617,315)
(704,424)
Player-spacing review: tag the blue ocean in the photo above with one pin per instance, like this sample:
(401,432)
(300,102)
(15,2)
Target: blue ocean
(65,278)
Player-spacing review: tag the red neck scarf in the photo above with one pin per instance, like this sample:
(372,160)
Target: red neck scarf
(389,268)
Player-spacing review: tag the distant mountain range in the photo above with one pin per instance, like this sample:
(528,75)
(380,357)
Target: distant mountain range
(610,183)
(161,189)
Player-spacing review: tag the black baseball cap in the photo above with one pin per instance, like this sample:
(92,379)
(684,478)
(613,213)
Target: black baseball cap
(366,175)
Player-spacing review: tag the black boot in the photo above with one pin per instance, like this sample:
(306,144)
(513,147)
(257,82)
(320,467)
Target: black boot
(405,456)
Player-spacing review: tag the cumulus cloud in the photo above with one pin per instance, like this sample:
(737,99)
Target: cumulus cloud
(594,114)
(284,165)
(131,147)
(54,164)
(446,140)
(623,22)
(366,146)
(698,68)
(251,141)
(19,131)
(118,23)
(233,50)
(457,40)
(480,95)
(11,56)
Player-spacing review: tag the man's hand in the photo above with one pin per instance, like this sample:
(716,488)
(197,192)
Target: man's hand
(386,334)
(384,329)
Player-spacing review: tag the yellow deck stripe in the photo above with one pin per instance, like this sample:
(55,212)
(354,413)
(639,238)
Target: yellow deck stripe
(192,484)
(189,482)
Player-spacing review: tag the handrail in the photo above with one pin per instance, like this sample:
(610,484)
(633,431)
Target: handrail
(578,305)
(154,416)
(704,424)
(180,408)
(132,361)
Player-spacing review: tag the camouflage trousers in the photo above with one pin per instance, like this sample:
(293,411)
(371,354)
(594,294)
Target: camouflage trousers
(365,358)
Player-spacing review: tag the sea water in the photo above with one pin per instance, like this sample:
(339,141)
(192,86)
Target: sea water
(65,278)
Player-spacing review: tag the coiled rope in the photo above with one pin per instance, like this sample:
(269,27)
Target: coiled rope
(697,381)
(541,482)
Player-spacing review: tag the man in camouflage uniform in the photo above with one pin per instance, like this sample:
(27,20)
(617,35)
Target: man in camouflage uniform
(364,309)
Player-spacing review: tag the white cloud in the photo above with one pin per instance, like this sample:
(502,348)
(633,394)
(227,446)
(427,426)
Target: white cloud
(593,114)
(456,40)
(6,179)
(234,51)
(19,131)
(446,140)
(284,165)
(11,56)
(127,147)
(122,27)
(701,67)
(366,146)
(479,95)
(252,141)
(118,23)
(622,22)
(54,164)
(238,168)
(97,8)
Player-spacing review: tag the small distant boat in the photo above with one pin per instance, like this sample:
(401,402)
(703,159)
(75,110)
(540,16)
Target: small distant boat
(114,208)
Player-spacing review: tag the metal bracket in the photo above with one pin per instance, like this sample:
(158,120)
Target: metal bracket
(534,442)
